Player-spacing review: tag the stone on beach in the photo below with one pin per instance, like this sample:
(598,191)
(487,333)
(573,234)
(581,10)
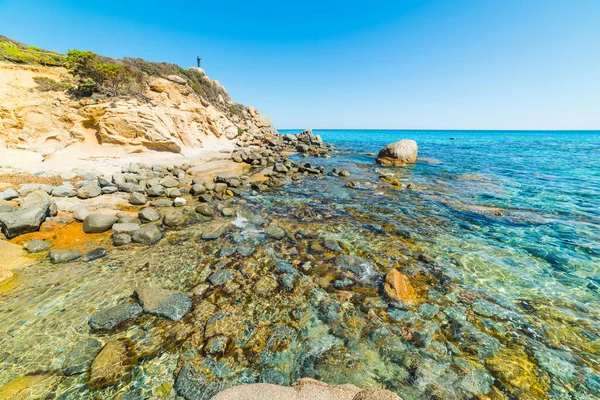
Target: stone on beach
(398,154)
(215,230)
(63,256)
(171,304)
(148,215)
(89,191)
(137,199)
(9,194)
(148,234)
(29,216)
(97,223)
(205,209)
(127,227)
(37,246)
(174,218)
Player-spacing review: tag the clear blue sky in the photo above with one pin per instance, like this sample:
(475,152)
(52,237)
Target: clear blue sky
(445,64)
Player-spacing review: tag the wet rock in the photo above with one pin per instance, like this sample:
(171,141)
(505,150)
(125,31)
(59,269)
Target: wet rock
(364,270)
(137,199)
(376,394)
(148,234)
(275,232)
(204,198)
(215,230)
(398,154)
(179,202)
(216,345)
(121,239)
(272,376)
(477,382)
(162,203)
(96,223)
(63,256)
(343,283)
(95,254)
(205,209)
(397,287)
(80,357)
(89,191)
(220,188)
(344,173)
(352,184)
(114,361)
(9,194)
(171,304)
(198,189)
(332,245)
(221,277)
(428,311)
(128,228)
(228,212)
(110,318)
(174,218)
(148,215)
(29,216)
(37,246)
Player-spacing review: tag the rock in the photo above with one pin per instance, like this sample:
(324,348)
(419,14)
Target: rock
(37,246)
(9,194)
(148,215)
(111,318)
(173,193)
(114,361)
(97,223)
(121,239)
(109,189)
(95,254)
(275,232)
(171,304)
(205,210)
(169,183)
(198,189)
(148,234)
(220,187)
(28,188)
(376,394)
(280,168)
(215,230)
(364,270)
(204,198)
(80,212)
(64,191)
(398,154)
(174,218)
(128,228)
(29,216)
(80,357)
(221,277)
(179,202)
(89,191)
(228,212)
(63,256)
(398,287)
(161,203)
(216,345)
(137,199)
(156,191)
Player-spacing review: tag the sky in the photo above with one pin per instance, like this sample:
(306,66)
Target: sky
(403,64)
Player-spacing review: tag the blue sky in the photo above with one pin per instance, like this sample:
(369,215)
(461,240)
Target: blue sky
(445,64)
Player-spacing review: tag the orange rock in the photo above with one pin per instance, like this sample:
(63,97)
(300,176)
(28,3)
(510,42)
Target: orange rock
(65,237)
(398,287)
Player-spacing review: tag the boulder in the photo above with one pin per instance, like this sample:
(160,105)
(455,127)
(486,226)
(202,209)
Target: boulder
(9,194)
(398,154)
(127,227)
(29,216)
(89,191)
(174,218)
(215,230)
(137,199)
(148,234)
(64,191)
(114,361)
(171,304)
(37,246)
(97,223)
(80,357)
(148,215)
(112,317)
(120,239)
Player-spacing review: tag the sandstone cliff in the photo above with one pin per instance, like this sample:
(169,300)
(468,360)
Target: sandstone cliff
(168,116)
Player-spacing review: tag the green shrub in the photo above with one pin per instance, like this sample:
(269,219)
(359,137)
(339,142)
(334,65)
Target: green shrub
(45,84)
(19,53)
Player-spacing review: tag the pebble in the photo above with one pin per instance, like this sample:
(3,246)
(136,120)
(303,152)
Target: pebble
(37,246)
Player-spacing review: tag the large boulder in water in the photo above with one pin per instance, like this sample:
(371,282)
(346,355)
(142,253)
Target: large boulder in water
(398,154)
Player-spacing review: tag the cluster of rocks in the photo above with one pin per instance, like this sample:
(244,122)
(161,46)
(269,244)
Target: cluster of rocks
(265,151)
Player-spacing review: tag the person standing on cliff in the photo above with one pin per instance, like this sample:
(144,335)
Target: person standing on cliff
(198,59)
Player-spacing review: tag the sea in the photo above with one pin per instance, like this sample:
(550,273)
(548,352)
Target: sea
(497,233)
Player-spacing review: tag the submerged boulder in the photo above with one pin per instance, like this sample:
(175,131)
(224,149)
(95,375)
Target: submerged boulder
(171,304)
(398,154)
(80,357)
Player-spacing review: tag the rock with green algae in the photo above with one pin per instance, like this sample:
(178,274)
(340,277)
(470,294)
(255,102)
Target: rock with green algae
(81,356)
(114,361)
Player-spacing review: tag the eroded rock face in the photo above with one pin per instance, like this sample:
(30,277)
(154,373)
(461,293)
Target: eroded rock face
(398,154)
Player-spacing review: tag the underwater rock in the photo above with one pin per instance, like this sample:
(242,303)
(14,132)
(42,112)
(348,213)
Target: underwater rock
(110,318)
(114,361)
(398,287)
(215,230)
(171,304)
(95,254)
(174,218)
(63,256)
(221,277)
(275,232)
(364,270)
(398,154)
(205,210)
(80,357)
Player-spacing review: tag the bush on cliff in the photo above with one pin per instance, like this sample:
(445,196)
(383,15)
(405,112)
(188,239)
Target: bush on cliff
(45,84)
(19,53)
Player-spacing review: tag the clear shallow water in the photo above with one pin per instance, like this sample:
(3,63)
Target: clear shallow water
(499,233)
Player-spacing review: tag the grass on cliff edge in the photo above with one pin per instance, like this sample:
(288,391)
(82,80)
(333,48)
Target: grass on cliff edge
(107,77)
